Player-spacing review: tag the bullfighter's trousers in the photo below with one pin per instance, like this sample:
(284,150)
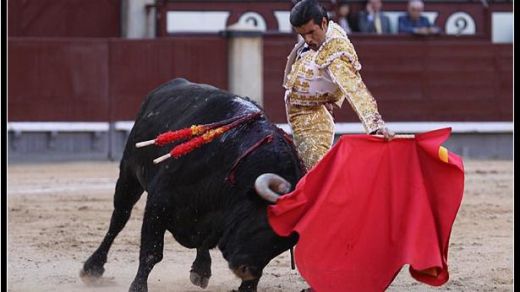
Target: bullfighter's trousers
(312,130)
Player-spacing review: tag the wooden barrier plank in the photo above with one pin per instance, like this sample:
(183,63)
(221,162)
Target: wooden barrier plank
(137,67)
(107,79)
(58,80)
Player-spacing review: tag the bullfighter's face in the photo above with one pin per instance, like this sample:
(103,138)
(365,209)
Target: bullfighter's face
(313,33)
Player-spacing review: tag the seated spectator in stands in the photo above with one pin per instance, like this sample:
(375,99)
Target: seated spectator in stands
(372,19)
(413,22)
(343,15)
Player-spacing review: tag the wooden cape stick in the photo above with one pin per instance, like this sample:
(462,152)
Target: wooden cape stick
(399,136)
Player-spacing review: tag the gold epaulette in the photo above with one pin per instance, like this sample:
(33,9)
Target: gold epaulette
(337,48)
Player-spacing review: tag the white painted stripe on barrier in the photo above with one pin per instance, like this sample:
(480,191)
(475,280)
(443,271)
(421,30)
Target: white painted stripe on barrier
(419,127)
(456,127)
(502,27)
(123,125)
(282,17)
(58,126)
(196,21)
(398,127)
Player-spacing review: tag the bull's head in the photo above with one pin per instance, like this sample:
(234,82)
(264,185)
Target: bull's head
(253,243)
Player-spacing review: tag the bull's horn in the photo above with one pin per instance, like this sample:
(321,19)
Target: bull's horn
(270,185)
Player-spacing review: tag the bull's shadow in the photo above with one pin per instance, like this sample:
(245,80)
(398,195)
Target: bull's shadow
(205,196)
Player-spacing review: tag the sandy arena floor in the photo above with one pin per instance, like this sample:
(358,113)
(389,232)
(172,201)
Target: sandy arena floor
(59,212)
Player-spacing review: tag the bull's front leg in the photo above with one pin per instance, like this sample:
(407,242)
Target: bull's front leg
(201,269)
(128,192)
(152,245)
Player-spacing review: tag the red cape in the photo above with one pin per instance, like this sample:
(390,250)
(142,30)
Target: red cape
(371,206)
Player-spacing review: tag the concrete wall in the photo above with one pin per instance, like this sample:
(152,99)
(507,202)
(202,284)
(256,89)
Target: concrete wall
(54,146)
(245,61)
(136,20)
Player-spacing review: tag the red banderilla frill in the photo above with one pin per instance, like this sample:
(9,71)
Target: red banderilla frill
(204,134)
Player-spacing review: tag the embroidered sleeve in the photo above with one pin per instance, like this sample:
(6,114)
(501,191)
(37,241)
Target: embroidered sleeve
(345,75)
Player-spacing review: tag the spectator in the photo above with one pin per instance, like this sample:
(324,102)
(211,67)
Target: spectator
(343,15)
(413,22)
(373,20)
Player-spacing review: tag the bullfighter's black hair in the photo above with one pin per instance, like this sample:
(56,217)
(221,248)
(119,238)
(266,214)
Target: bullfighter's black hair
(305,10)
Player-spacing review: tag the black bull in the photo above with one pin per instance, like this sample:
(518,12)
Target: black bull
(207,197)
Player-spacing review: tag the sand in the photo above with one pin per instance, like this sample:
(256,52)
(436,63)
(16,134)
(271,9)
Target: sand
(58,213)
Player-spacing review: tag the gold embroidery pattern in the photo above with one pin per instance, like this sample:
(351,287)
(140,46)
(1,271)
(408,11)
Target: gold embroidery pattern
(309,73)
(291,77)
(335,48)
(354,89)
(296,67)
(336,45)
(313,132)
(302,86)
(315,99)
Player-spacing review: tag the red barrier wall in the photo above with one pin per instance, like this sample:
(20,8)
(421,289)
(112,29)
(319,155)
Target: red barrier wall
(58,80)
(103,79)
(137,67)
(441,79)
(64,18)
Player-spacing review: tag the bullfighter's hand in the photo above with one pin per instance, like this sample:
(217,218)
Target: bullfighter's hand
(387,134)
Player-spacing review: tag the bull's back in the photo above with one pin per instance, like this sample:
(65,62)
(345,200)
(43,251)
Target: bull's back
(175,105)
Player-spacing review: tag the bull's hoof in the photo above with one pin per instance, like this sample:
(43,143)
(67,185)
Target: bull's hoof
(198,280)
(95,279)
(92,276)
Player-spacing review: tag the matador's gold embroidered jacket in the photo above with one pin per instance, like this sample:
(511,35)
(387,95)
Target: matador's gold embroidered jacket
(330,75)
